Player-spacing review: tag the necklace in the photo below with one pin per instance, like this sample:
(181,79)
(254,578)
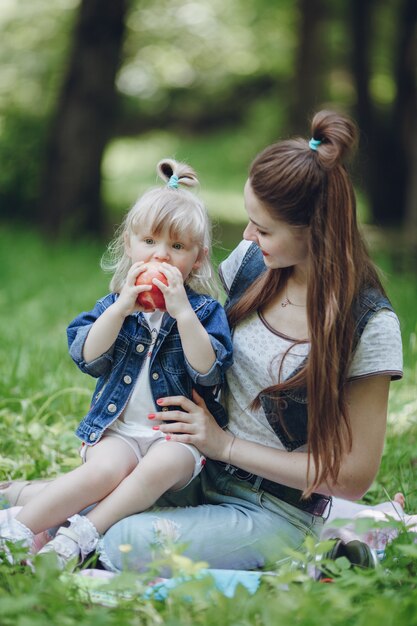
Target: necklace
(286,301)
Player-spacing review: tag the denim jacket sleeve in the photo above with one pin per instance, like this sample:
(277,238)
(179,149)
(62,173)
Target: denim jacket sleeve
(77,332)
(213,318)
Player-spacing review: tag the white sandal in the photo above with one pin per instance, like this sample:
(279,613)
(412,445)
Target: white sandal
(74,542)
(13,531)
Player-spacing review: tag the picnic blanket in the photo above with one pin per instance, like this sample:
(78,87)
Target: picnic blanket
(97,584)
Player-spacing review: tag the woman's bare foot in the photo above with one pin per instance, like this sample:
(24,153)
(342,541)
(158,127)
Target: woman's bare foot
(400,499)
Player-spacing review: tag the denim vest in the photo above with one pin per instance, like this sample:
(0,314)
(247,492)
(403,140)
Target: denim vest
(117,369)
(291,405)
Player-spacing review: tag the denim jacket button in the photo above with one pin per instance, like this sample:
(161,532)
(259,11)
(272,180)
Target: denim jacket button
(127,379)
(93,436)
(140,347)
(165,408)
(112,408)
(155,375)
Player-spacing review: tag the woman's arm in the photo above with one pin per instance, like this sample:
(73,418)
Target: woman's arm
(367,405)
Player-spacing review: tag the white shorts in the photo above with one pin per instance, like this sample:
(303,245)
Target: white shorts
(141,444)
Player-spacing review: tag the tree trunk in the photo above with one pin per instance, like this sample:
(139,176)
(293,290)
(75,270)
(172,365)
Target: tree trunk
(361,21)
(70,197)
(405,115)
(309,78)
(387,149)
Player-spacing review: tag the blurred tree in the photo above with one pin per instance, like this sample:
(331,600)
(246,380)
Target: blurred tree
(83,121)
(309,79)
(390,169)
(193,68)
(406,114)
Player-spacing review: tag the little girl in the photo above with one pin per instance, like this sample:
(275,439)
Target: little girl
(138,357)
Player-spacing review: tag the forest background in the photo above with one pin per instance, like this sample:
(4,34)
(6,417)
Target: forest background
(92,94)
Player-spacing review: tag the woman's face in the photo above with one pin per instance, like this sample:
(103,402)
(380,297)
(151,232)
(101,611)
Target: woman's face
(282,245)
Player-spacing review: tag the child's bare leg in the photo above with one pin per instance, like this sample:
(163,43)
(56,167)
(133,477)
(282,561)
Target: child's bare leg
(166,466)
(108,463)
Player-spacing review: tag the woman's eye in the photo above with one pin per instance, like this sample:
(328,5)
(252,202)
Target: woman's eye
(178,246)
(261,232)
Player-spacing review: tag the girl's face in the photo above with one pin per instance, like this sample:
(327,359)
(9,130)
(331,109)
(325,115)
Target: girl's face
(182,253)
(282,245)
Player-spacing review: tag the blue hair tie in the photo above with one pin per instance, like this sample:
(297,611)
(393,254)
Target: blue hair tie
(173,182)
(314,143)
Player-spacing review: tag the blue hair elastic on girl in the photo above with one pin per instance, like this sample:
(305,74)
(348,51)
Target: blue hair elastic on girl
(173,182)
(314,143)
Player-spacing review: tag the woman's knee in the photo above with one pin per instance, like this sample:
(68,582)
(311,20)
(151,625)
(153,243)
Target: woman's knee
(128,544)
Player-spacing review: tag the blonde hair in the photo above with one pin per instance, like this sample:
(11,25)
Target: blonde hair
(159,208)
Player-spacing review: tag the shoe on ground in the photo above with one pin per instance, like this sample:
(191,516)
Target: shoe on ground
(13,531)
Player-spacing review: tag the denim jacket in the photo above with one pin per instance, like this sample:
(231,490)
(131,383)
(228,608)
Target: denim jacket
(291,405)
(170,374)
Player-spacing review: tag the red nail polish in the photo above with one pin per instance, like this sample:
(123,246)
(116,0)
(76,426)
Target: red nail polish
(155,427)
(159,401)
(168,437)
(151,416)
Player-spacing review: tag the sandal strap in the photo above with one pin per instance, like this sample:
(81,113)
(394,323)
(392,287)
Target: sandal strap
(65,550)
(67,532)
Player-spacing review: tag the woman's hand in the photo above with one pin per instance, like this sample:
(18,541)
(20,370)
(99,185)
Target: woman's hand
(194,425)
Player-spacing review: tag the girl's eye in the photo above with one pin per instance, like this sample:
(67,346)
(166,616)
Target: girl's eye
(178,246)
(261,232)
(149,241)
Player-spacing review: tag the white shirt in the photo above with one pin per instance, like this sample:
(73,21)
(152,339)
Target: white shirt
(134,419)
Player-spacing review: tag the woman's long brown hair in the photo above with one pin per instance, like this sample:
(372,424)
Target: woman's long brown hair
(304,187)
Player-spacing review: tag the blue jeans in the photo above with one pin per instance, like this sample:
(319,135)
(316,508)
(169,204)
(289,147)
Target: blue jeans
(220,519)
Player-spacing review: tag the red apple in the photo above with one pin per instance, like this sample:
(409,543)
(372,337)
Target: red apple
(152,299)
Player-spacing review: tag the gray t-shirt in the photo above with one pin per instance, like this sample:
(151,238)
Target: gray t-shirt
(258,350)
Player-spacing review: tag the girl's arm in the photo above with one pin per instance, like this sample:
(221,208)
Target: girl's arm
(367,404)
(103,333)
(195,342)
(195,338)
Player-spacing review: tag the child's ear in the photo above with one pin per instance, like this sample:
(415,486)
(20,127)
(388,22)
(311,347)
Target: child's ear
(201,257)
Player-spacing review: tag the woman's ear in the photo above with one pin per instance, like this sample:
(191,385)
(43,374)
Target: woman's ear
(201,257)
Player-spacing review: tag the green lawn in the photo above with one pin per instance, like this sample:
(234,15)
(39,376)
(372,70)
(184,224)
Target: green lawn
(43,396)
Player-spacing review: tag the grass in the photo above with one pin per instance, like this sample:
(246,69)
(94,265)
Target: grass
(42,396)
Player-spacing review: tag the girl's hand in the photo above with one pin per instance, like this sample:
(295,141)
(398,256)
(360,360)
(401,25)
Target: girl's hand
(126,302)
(195,425)
(176,300)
